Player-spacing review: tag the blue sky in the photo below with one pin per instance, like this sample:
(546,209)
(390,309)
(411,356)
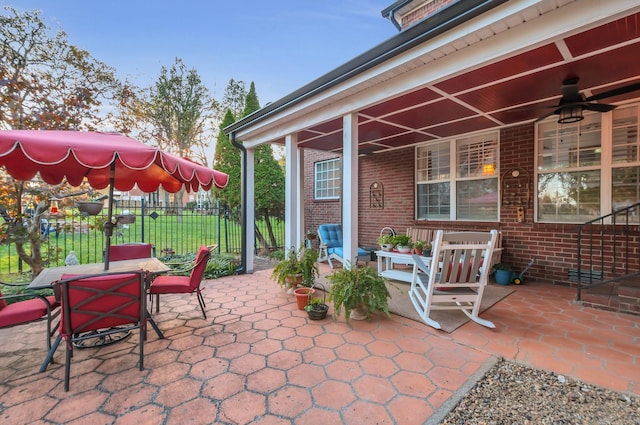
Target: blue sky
(279,44)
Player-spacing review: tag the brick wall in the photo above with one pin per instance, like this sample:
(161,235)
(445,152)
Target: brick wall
(317,212)
(553,246)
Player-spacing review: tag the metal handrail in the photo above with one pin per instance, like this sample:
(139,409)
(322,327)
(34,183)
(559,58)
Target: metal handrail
(609,255)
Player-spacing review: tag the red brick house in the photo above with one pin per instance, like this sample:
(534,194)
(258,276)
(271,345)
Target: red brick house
(476,115)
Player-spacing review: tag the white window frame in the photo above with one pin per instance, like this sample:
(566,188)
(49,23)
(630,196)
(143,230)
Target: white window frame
(329,172)
(605,167)
(488,146)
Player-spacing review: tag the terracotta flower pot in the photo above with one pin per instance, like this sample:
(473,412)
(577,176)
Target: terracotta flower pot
(303,295)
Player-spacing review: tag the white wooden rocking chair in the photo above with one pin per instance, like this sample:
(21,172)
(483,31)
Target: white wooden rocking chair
(456,276)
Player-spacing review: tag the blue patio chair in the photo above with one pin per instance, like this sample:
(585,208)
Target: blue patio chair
(332,247)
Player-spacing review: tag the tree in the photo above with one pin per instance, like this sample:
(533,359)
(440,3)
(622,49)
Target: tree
(227,160)
(45,83)
(233,100)
(269,180)
(180,111)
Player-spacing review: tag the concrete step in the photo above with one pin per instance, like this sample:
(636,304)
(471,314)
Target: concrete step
(622,296)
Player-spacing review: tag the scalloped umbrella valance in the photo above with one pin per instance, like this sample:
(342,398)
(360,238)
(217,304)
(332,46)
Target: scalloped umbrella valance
(104,159)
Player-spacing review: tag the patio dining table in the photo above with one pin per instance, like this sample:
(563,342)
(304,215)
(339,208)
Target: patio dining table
(48,276)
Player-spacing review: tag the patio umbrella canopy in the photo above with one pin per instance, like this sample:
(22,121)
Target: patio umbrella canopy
(105,159)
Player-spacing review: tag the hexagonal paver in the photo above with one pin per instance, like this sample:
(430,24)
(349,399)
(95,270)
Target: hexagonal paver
(413,384)
(413,362)
(363,412)
(383,348)
(178,392)
(284,359)
(242,408)
(289,401)
(281,333)
(317,416)
(378,366)
(76,406)
(247,364)
(219,340)
(251,336)
(306,375)
(343,370)
(298,343)
(233,351)
(195,354)
(332,394)
(318,355)
(209,368)
(266,381)
(410,411)
(351,352)
(224,386)
(446,378)
(199,411)
(328,340)
(138,416)
(374,389)
(130,398)
(266,347)
(168,373)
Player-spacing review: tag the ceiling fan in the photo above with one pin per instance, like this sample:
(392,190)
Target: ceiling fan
(573,103)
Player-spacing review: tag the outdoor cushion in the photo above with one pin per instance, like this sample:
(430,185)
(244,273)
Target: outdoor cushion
(130,251)
(25,311)
(331,235)
(3,303)
(339,251)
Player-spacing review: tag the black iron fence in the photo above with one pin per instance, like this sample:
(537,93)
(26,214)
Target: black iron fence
(171,231)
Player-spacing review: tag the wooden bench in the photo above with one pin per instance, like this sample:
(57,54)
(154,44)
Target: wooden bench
(428,235)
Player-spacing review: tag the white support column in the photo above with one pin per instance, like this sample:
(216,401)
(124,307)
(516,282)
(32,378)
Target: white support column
(292,193)
(250,238)
(350,187)
(301,198)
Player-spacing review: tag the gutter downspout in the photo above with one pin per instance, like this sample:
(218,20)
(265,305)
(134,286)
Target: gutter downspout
(243,201)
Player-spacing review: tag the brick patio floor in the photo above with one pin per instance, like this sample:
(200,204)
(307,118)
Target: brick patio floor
(257,359)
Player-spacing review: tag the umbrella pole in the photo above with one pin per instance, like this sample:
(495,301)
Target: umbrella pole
(108,225)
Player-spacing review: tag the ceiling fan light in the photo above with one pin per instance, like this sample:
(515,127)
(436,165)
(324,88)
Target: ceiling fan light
(570,114)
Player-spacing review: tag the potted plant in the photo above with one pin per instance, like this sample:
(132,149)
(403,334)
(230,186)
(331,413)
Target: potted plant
(360,290)
(299,267)
(93,205)
(503,274)
(385,242)
(312,235)
(90,207)
(316,309)
(402,243)
(418,247)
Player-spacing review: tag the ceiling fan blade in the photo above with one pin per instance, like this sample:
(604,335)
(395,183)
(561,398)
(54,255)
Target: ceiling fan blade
(546,115)
(615,92)
(599,107)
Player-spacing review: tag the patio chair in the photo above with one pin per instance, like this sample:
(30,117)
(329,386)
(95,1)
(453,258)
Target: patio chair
(131,251)
(36,307)
(466,257)
(96,306)
(332,247)
(169,284)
